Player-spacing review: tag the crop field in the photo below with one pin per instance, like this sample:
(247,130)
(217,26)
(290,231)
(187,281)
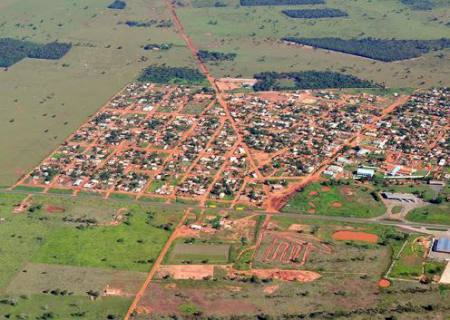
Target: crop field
(254,34)
(46,100)
(342,200)
(51,242)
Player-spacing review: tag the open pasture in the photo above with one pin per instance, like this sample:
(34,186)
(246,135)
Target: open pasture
(254,33)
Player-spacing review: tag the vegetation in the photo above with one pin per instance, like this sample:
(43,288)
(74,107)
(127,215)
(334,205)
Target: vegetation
(377,49)
(433,213)
(117,5)
(308,80)
(149,23)
(279,2)
(156,46)
(165,74)
(337,199)
(419,4)
(206,55)
(13,50)
(315,13)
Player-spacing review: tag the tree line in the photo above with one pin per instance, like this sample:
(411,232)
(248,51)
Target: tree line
(279,2)
(206,55)
(386,50)
(315,13)
(308,80)
(13,51)
(166,74)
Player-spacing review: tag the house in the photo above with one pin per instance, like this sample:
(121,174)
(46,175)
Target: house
(365,173)
(402,197)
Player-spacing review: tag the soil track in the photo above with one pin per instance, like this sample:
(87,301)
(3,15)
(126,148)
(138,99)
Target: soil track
(54,209)
(155,267)
(355,236)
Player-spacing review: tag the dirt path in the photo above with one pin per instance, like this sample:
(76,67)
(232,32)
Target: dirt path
(156,266)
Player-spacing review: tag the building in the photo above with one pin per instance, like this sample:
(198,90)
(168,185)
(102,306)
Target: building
(365,173)
(402,197)
(441,245)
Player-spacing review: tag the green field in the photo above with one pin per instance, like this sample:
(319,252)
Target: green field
(46,258)
(433,213)
(46,100)
(199,253)
(254,33)
(340,200)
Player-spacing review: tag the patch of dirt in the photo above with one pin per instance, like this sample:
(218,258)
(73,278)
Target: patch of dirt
(54,209)
(312,210)
(313,193)
(347,191)
(325,188)
(384,283)
(298,227)
(185,272)
(286,275)
(109,291)
(355,236)
(171,286)
(336,204)
(186,232)
(270,289)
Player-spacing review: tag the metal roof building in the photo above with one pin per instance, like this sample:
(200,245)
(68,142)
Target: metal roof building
(442,245)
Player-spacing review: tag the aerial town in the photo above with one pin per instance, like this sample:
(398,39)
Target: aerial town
(178,142)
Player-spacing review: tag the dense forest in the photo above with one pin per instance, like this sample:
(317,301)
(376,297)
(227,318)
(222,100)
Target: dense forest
(308,80)
(206,55)
(13,50)
(165,74)
(117,5)
(377,49)
(279,2)
(315,13)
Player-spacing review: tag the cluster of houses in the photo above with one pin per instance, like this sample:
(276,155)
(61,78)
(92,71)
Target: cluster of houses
(178,141)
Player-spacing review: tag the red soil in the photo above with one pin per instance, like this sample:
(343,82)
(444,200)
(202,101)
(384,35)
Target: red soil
(384,283)
(336,204)
(313,193)
(325,188)
(54,209)
(355,236)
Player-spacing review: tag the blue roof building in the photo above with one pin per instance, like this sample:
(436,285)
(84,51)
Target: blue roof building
(442,245)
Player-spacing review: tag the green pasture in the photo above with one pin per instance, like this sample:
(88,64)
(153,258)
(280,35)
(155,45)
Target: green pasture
(359,203)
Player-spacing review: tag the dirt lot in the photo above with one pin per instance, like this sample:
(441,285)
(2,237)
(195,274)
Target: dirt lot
(355,236)
(185,272)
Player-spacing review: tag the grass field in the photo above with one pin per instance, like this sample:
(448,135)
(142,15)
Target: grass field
(254,33)
(199,253)
(342,200)
(433,213)
(47,100)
